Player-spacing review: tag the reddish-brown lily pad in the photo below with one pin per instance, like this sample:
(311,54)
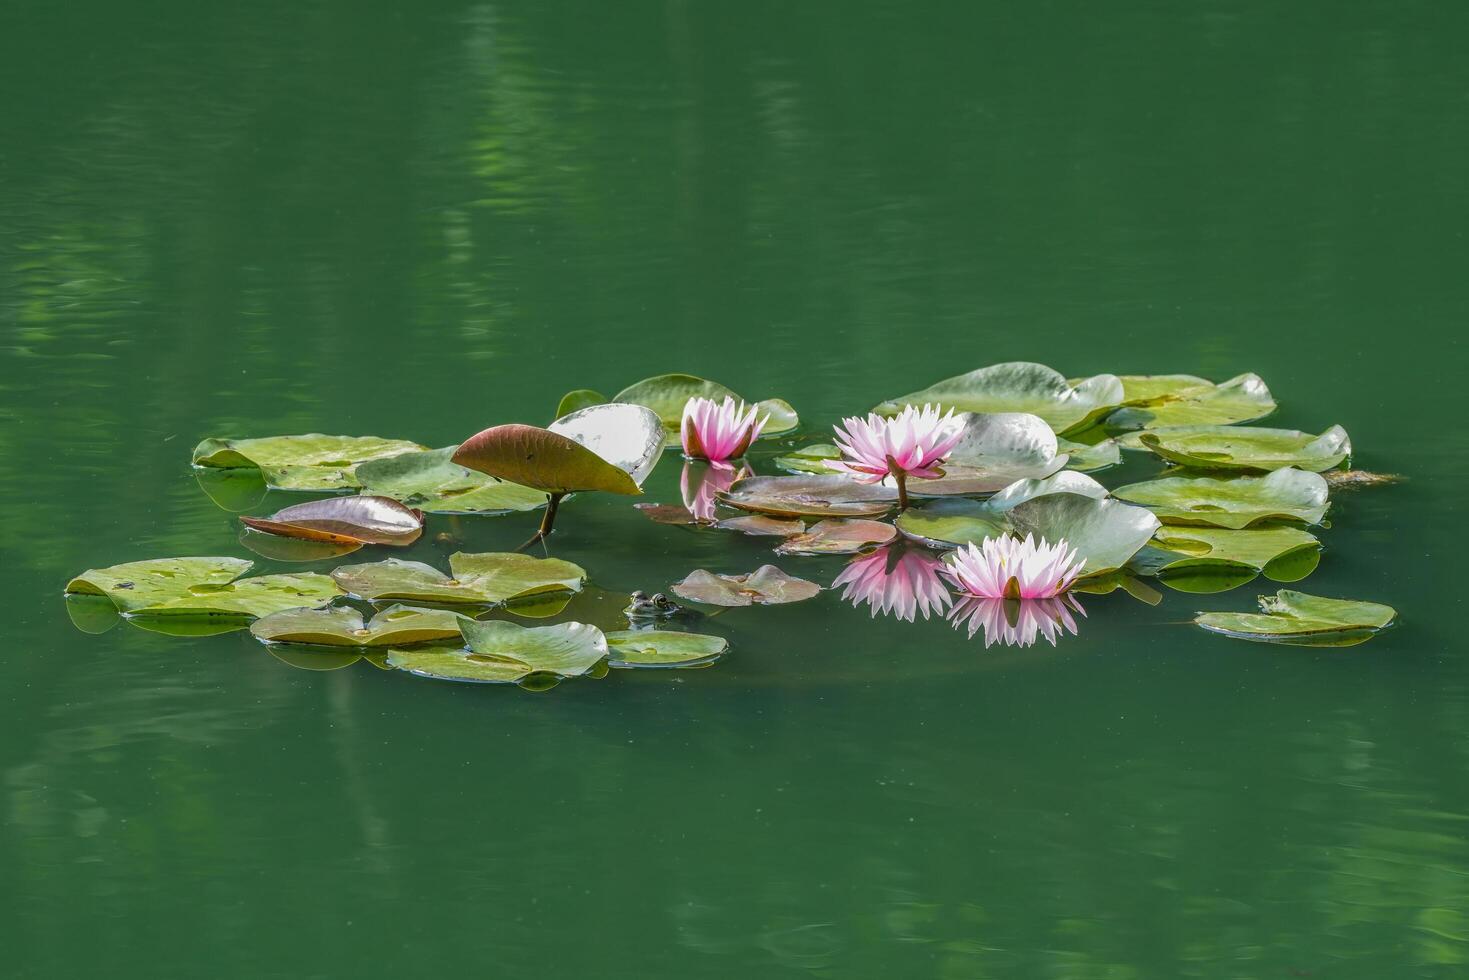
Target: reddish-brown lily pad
(345,520)
(839,537)
(766,586)
(760,524)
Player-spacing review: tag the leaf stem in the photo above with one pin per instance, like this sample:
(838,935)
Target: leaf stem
(547,519)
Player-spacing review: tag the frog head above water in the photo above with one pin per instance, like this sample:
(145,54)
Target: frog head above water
(645,611)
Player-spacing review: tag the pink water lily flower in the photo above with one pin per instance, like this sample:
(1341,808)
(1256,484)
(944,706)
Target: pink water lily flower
(1006,568)
(895,582)
(911,444)
(702,483)
(1017,622)
(718,431)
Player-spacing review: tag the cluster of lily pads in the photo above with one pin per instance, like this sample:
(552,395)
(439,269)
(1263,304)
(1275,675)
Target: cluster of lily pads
(1014,456)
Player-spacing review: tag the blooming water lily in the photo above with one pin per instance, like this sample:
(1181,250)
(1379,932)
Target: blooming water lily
(718,431)
(912,443)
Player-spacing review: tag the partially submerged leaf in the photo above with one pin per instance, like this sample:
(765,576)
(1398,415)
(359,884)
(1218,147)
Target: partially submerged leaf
(761,525)
(1182,399)
(1224,447)
(1285,554)
(575,401)
(305,462)
(663,648)
(767,585)
(344,520)
(91,613)
(1090,458)
(1020,386)
(232,490)
(1236,502)
(431,481)
(809,496)
(201,588)
(839,537)
(343,626)
(477,578)
(451,662)
(566,649)
(1299,619)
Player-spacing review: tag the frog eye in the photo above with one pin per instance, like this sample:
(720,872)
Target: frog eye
(639,596)
(661,600)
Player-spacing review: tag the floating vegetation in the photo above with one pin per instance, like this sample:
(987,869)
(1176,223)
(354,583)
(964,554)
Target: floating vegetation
(998,524)
(1298,619)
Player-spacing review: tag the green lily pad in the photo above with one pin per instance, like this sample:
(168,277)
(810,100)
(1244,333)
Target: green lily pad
(1182,399)
(566,649)
(994,451)
(201,587)
(1299,619)
(667,394)
(1285,554)
(486,578)
(1020,386)
(432,482)
(343,626)
(305,462)
(809,459)
(838,537)
(363,519)
(1090,458)
(451,662)
(1224,447)
(809,496)
(1066,481)
(1236,502)
(575,401)
(663,648)
(765,586)
(1106,533)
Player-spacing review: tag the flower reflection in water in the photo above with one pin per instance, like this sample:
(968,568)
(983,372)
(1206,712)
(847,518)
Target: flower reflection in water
(895,582)
(1017,622)
(700,483)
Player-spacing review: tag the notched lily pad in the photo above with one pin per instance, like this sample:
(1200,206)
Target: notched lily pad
(201,588)
(566,649)
(1237,502)
(839,537)
(344,520)
(343,626)
(663,648)
(1299,619)
(1090,458)
(485,578)
(1224,447)
(809,496)
(667,394)
(809,459)
(1285,554)
(305,462)
(1151,401)
(766,586)
(431,481)
(1021,386)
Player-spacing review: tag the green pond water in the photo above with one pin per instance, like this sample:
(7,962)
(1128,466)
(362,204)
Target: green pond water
(421,220)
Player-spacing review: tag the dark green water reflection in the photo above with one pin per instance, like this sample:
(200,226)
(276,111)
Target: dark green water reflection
(263,218)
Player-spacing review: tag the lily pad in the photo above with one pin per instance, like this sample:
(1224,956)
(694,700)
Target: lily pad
(432,482)
(994,452)
(484,578)
(1285,554)
(344,520)
(1151,401)
(201,587)
(451,662)
(810,496)
(663,648)
(1067,481)
(566,649)
(1090,458)
(1237,502)
(543,460)
(575,401)
(1299,619)
(839,537)
(809,459)
(91,613)
(1225,447)
(343,626)
(305,462)
(766,586)
(629,437)
(1021,386)
(1106,533)
(950,523)
(233,490)
(758,525)
(676,515)
(667,394)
